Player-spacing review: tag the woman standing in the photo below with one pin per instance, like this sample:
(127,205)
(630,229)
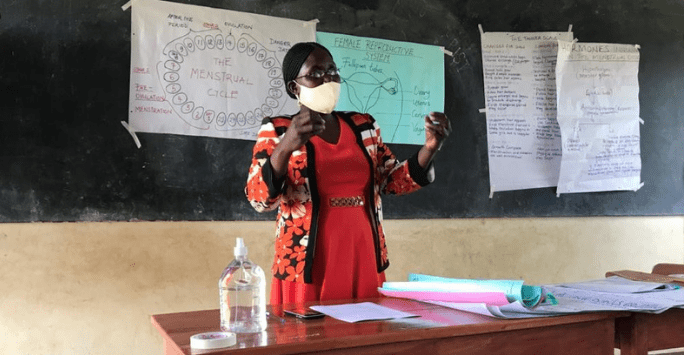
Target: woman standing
(325,171)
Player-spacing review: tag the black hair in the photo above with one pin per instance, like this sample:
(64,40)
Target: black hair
(295,58)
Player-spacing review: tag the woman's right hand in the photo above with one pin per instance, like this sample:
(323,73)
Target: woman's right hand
(304,125)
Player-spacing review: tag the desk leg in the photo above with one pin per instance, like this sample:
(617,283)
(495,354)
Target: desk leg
(631,335)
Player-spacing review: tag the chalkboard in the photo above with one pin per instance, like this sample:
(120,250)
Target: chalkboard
(64,71)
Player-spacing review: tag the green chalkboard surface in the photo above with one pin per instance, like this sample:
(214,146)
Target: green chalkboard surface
(64,74)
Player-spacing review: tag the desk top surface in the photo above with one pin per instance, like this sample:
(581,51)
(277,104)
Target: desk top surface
(289,334)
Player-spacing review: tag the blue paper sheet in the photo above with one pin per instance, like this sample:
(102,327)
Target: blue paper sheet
(398,83)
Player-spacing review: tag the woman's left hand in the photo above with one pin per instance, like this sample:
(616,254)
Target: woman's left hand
(437,129)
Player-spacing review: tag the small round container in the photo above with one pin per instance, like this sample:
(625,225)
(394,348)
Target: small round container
(212,340)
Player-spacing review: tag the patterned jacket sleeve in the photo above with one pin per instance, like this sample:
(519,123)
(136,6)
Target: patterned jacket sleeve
(400,178)
(263,190)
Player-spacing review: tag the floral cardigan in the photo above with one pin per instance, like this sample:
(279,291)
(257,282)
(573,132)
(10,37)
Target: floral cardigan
(297,198)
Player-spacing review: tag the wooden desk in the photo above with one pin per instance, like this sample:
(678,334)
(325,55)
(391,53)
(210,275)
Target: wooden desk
(438,330)
(642,332)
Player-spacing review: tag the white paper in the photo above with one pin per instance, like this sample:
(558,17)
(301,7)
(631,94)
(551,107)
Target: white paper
(208,72)
(512,310)
(653,302)
(598,115)
(523,137)
(357,312)
(617,284)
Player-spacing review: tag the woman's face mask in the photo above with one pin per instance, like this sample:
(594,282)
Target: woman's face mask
(323,98)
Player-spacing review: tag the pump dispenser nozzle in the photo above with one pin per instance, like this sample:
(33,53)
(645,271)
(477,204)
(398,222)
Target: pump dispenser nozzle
(240,248)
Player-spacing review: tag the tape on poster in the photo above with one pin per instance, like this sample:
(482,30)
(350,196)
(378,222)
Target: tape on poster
(132,132)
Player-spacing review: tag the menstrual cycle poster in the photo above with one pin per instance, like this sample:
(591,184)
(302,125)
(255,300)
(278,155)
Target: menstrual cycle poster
(208,72)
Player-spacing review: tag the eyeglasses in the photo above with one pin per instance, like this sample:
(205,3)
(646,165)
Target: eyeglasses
(318,74)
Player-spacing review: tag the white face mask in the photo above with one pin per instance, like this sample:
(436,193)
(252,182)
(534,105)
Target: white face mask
(323,98)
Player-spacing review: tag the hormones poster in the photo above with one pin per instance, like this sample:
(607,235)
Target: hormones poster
(598,114)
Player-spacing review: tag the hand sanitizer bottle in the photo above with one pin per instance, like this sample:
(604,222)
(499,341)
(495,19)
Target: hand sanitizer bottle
(242,294)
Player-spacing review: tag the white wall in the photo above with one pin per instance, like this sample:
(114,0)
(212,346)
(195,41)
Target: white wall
(90,288)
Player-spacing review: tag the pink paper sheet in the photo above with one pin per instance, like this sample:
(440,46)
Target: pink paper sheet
(489,298)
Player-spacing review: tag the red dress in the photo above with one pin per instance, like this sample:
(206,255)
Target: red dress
(344,263)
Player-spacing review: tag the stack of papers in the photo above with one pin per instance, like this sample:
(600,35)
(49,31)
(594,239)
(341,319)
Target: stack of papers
(512,299)
(488,292)
(610,294)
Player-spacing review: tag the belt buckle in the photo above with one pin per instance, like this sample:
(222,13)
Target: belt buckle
(352,201)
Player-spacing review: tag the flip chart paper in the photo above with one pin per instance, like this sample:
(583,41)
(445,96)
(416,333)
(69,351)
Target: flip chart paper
(523,137)
(598,114)
(616,284)
(490,298)
(577,300)
(515,290)
(512,310)
(202,71)
(656,302)
(398,83)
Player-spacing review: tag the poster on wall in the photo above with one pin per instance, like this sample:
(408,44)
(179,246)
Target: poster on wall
(598,114)
(209,72)
(398,83)
(523,136)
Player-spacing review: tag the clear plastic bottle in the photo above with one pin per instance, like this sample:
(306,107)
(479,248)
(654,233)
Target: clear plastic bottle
(242,294)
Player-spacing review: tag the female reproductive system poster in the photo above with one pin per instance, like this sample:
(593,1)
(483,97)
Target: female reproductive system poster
(398,83)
